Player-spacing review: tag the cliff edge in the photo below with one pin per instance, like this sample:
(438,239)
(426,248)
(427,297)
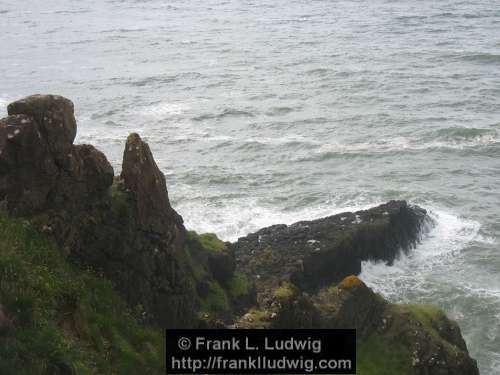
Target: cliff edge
(93,266)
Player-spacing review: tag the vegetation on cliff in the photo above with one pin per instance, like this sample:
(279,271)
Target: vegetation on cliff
(91,264)
(65,319)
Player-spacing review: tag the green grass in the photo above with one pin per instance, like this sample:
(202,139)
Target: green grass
(239,285)
(209,241)
(379,356)
(216,299)
(388,353)
(285,291)
(64,316)
(119,204)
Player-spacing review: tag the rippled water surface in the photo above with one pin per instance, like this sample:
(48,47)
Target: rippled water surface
(262,112)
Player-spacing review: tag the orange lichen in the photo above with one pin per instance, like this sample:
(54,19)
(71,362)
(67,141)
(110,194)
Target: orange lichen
(350,281)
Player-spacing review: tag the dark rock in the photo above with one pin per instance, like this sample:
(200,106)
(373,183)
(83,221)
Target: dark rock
(143,178)
(434,341)
(315,253)
(28,172)
(350,305)
(40,168)
(222,264)
(55,118)
(54,113)
(133,236)
(6,324)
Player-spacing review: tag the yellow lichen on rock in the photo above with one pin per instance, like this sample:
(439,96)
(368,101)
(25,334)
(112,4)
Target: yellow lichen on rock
(350,281)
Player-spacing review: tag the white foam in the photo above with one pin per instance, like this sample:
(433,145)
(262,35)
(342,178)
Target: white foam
(441,245)
(239,217)
(165,110)
(3,106)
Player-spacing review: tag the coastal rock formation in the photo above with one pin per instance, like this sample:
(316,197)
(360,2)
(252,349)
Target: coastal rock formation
(41,168)
(351,304)
(312,254)
(142,177)
(128,231)
(398,338)
(124,229)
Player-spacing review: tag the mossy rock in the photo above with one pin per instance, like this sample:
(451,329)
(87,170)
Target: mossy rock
(239,285)
(216,300)
(376,355)
(209,241)
(285,292)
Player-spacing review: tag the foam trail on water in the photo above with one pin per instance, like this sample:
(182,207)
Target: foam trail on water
(3,106)
(164,110)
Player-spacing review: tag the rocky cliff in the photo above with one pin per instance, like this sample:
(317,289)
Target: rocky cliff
(312,254)
(123,229)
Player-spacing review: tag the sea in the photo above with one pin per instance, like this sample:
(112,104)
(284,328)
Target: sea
(262,112)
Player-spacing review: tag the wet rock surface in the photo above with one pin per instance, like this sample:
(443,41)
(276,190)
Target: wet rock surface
(315,253)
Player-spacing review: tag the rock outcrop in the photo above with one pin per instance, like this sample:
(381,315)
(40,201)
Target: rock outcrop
(142,177)
(128,231)
(297,276)
(401,339)
(312,254)
(40,168)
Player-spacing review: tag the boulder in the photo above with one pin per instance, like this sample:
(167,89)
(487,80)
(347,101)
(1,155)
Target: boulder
(53,113)
(40,168)
(28,172)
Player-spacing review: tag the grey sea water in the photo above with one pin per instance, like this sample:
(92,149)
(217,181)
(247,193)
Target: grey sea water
(263,112)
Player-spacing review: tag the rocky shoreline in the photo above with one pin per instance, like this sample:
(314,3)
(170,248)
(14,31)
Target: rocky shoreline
(298,276)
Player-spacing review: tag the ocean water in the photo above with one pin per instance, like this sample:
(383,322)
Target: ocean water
(263,112)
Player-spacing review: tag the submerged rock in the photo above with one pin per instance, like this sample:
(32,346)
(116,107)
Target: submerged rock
(315,253)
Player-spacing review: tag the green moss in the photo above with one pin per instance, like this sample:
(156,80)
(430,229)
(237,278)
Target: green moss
(429,317)
(255,319)
(119,203)
(239,285)
(209,241)
(64,316)
(388,353)
(285,291)
(216,299)
(378,355)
